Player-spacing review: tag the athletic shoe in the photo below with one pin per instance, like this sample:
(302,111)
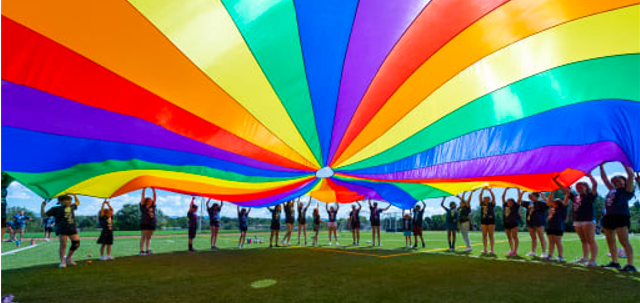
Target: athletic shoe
(149,252)
(531,254)
(305,243)
(62,265)
(629,268)
(337,243)
(71,262)
(561,259)
(110,258)
(423,245)
(611,265)
(581,261)
(592,264)
(468,249)
(102,258)
(142,253)
(330,243)
(415,245)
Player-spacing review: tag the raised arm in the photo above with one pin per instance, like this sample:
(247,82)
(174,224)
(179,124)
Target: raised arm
(142,199)
(504,196)
(238,209)
(193,198)
(207,204)
(594,184)
(388,206)
(567,194)
(605,179)
(370,203)
(549,198)
(424,205)
(102,208)
(75,197)
(154,195)
(493,196)
(520,194)
(629,178)
(337,206)
(638,179)
(359,206)
(481,194)
(42,214)
(326,207)
(269,209)
(560,186)
(221,204)
(249,211)
(442,203)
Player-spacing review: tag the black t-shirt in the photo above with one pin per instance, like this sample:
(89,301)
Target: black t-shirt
(375,214)
(464,214)
(355,216)
(65,218)
(106,223)
(417,217)
(487,211)
(583,207)
(147,214)
(332,215)
(275,215)
(288,211)
(406,224)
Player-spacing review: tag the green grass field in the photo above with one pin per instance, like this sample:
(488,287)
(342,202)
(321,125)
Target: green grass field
(328,273)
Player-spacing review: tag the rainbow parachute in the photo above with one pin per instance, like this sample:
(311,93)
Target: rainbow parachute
(257,102)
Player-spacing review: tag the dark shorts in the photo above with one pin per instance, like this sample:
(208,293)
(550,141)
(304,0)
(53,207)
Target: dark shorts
(215,223)
(316,227)
(67,231)
(147,226)
(615,221)
(488,221)
(451,226)
(375,223)
(510,225)
(48,229)
(289,220)
(302,221)
(355,225)
(417,230)
(106,237)
(275,225)
(192,232)
(4,222)
(244,228)
(554,232)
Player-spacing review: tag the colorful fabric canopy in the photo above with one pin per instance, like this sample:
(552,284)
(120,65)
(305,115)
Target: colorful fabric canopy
(258,102)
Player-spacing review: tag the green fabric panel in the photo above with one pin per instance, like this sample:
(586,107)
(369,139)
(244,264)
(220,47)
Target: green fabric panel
(615,77)
(50,183)
(270,29)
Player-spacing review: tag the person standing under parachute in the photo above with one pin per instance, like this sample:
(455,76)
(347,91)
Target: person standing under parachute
(375,221)
(302,220)
(332,213)
(275,224)
(106,234)
(511,220)
(617,218)
(243,224)
(451,223)
(536,220)
(416,222)
(464,219)
(214,221)
(354,222)
(584,222)
(6,180)
(147,221)
(66,221)
(555,223)
(192,214)
(406,228)
(288,220)
(487,219)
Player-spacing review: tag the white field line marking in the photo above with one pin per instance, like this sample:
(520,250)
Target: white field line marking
(21,249)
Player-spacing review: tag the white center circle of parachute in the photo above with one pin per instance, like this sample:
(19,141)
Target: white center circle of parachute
(324,172)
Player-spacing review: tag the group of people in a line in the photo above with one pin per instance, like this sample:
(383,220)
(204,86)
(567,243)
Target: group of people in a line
(546,211)
(541,211)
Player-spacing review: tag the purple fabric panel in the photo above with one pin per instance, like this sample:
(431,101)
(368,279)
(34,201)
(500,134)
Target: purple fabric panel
(377,27)
(538,161)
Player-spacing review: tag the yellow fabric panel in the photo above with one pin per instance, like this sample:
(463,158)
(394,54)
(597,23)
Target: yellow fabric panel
(105,185)
(206,34)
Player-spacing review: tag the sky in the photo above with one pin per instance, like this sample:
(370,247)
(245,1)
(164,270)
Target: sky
(173,204)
